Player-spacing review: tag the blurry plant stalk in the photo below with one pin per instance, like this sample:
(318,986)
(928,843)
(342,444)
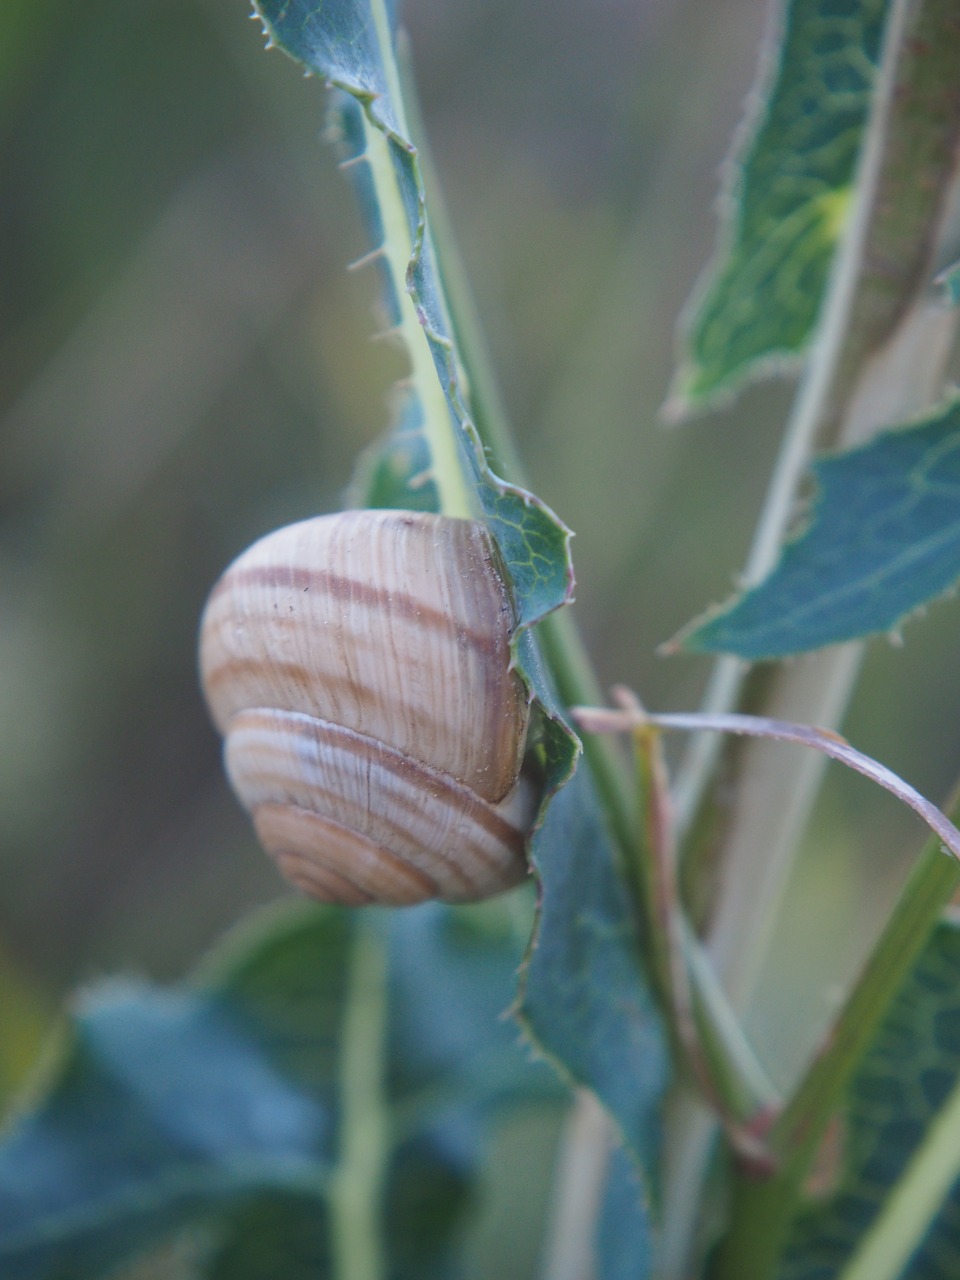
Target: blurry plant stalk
(879,357)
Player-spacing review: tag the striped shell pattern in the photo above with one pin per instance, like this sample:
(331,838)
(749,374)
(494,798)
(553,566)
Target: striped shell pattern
(358,666)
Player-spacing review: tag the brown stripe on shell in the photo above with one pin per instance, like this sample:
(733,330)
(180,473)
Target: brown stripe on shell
(438,656)
(293,678)
(419,780)
(239,672)
(346,590)
(468,847)
(318,882)
(346,861)
(468,536)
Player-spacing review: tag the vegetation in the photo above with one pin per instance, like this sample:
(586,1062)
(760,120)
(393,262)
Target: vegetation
(331,1091)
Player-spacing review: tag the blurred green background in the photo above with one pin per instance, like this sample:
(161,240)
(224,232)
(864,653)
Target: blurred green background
(185,363)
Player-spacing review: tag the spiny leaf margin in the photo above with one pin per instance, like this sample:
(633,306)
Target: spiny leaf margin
(882,540)
(895,1096)
(349,44)
(785,201)
(625,1041)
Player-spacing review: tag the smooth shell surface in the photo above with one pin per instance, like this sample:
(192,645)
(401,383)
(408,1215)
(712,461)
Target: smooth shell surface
(359,667)
(394,624)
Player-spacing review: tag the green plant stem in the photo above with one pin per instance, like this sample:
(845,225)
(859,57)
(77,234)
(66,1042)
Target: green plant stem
(397,249)
(738,1072)
(560,640)
(558,636)
(739,1075)
(815,690)
(929,888)
(815,419)
(816,414)
(356,1193)
(886,1248)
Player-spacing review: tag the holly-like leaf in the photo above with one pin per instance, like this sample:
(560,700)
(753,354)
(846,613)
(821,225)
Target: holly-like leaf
(787,198)
(883,539)
(234,1104)
(904,1084)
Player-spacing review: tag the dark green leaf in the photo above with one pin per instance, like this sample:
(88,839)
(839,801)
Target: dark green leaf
(789,195)
(220,1104)
(430,1189)
(162,1105)
(584,991)
(274,1234)
(432,1183)
(625,1242)
(897,1093)
(883,539)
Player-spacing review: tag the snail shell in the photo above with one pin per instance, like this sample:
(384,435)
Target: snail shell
(359,667)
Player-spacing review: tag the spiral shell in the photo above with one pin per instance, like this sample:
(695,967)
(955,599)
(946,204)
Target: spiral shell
(359,667)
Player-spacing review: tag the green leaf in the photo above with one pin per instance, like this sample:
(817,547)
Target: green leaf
(583,990)
(625,1243)
(568,1004)
(431,1187)
(273,1234)
(161,1106)
(883,539)
(788,196)
(949,282)
(223,1104)
(371,116)
(898,1093)
(915,132)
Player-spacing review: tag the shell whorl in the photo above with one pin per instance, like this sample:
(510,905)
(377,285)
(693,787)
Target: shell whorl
(359,667)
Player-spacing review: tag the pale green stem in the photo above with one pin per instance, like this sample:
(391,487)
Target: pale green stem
(814,690)
(357,1190)
(903,1221)
(571,668)
(397,248)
